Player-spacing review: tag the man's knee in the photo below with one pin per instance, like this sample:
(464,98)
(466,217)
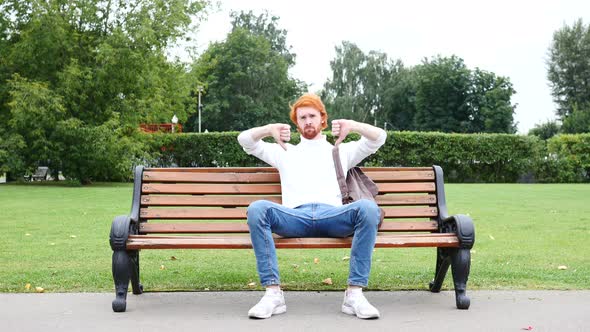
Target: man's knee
(257,210)
(370,209)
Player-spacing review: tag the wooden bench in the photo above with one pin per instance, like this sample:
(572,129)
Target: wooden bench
(40,174)
(413,200)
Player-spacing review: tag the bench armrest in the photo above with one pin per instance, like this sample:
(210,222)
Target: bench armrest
(461,225)
(120,229)
(135,202)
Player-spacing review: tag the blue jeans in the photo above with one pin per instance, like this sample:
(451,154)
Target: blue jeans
(360,218)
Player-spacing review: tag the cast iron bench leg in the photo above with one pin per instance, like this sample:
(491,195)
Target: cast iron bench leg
(135,284)
(121,275)
(461,263)
(443,260)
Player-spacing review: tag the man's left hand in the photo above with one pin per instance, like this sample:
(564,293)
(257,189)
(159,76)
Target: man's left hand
(341,128)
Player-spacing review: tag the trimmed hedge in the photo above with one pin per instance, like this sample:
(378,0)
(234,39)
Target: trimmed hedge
(464,157)
(567,159)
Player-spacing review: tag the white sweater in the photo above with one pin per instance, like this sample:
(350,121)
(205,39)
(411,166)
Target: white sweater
(307,169)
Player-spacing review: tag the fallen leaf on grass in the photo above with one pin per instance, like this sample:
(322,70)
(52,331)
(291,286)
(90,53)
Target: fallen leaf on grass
(52,244)
(73,236)
(28,234)
(316,260)
(562,267)
(28,286)
(252,284)
(491,237)
(162,267)
(39,289)
(327,281)
(172,258)
(345,258)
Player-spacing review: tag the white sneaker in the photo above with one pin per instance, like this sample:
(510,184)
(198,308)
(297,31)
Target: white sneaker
(355,303)
(272,303)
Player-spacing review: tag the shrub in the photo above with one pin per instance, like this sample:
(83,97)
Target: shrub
(464,157)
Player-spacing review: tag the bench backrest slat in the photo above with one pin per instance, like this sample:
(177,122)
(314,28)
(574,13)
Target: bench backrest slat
(377,176)
(223,188)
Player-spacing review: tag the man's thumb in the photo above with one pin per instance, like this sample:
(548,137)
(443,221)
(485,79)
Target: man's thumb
(340,139)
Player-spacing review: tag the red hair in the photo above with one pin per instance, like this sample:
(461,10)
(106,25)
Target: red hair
(309,100)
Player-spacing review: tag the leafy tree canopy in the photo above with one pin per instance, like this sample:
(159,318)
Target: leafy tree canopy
(569,76)
(246,76)
(441,94)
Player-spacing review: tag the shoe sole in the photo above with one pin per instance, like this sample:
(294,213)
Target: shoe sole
(350,311)
(277,311)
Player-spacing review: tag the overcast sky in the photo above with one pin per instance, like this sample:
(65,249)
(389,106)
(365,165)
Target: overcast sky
(509,38)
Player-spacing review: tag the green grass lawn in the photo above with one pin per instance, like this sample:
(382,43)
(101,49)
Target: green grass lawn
(56,237)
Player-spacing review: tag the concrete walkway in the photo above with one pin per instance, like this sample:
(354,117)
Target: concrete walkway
(306,311)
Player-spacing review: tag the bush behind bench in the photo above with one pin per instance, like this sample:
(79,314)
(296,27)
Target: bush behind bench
(490,158)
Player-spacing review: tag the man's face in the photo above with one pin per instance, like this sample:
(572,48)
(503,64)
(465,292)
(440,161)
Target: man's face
(309,122)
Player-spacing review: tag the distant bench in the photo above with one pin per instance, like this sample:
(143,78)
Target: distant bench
(39,175)
(413,200)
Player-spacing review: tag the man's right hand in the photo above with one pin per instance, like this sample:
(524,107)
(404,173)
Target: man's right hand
(281,133)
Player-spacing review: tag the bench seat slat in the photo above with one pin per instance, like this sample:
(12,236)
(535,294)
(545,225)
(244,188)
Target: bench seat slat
(234,201)
(234,227)
(175,177)
(243,242)
(240,213)
(181,188)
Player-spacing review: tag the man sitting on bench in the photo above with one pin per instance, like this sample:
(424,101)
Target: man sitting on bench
(311,200)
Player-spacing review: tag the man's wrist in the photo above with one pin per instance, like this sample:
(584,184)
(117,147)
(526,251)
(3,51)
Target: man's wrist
(355,126)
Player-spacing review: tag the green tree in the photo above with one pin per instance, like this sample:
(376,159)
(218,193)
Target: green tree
(87,63)
(267,27)
(441,95)
(578,121)
(399,98)
(569,75)
(452,98)
(545,130)
(102,56)
(246,79)
(356,89)
(35,112)
(490,103)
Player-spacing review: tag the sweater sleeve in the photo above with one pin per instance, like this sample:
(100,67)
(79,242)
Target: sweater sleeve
(361,149)
(267,152)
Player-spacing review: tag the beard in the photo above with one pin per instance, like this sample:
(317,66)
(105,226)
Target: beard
(310,132)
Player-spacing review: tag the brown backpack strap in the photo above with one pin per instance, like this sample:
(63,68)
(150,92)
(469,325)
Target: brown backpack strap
(340,176)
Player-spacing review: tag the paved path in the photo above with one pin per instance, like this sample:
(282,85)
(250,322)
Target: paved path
(306,311)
